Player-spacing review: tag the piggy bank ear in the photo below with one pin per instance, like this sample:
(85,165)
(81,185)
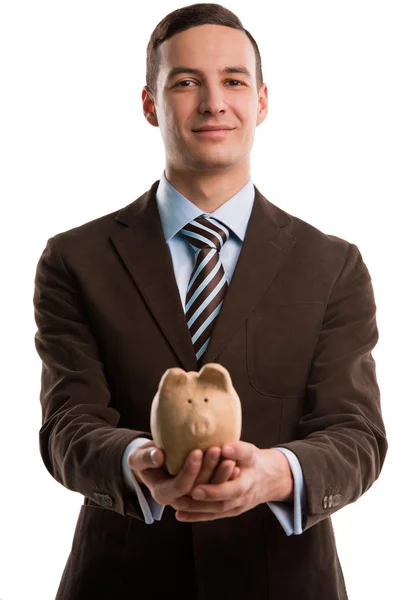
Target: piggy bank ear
(172,379)
(215,375)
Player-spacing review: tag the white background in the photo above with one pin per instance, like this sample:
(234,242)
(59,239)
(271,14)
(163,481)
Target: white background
(75,146)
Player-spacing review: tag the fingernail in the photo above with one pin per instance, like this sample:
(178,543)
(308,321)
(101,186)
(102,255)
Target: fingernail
(229,449)
(152,456)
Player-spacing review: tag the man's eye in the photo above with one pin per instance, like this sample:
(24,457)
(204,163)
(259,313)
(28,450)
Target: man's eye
(184,81)
(191,81)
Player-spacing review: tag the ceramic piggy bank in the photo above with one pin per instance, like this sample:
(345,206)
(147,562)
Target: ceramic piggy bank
(194,410)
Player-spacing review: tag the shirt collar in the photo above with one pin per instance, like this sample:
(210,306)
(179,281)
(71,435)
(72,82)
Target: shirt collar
(175,210)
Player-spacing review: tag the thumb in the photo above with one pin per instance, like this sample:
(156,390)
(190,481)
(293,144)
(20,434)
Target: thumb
(153,457)
(145,457)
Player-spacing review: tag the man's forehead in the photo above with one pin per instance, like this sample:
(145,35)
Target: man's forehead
(203,40)
(225,49)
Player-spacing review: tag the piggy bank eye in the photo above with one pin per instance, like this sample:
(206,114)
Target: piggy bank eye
(205,399)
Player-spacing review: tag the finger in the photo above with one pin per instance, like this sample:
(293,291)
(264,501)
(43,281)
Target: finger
(183,482)
(146,463)
(165,488)
(240,451)
(223,472)
(235,473)
(147,456)
(227,490)
(209,463)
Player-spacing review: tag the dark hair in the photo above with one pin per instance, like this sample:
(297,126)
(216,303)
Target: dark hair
(185,18)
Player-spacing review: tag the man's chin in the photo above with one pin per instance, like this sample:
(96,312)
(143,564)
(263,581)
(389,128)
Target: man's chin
(211,162)
(211,166)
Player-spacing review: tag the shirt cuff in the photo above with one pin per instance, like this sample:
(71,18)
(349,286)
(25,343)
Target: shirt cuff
(151,509)
(290,517)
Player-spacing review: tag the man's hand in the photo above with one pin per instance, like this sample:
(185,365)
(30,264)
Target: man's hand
(146,462)
(265,476)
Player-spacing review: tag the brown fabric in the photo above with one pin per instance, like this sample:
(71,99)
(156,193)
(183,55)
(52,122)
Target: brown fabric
(296,331)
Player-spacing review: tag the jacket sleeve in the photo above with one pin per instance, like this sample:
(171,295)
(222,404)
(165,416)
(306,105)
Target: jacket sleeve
(80,442)
(342,443)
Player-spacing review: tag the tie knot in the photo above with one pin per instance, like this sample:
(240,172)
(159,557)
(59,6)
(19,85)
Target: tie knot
(206,232)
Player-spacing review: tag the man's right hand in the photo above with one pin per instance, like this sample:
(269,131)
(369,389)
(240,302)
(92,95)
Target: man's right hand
(146,462)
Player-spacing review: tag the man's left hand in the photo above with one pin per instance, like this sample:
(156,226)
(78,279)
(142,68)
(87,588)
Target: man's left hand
(265,476)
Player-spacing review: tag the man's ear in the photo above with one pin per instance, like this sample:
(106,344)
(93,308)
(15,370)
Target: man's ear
(263,104)
(149,106)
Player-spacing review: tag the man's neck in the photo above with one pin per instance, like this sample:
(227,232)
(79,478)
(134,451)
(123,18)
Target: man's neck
(208,190)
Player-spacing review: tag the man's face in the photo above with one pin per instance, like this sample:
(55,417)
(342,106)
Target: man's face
(186,101)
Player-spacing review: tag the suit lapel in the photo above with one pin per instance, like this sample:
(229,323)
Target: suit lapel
(142,247)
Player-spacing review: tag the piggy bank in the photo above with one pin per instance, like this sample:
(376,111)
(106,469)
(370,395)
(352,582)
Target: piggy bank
(194,410)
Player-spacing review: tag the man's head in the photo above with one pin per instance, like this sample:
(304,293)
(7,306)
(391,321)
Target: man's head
(204,69)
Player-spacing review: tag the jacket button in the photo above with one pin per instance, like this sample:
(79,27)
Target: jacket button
(337,499)
(107,500)
(103,499)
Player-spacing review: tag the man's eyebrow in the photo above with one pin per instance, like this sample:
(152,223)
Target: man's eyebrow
(183,69)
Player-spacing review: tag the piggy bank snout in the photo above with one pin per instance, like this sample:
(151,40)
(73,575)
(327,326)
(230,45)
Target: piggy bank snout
(201,425)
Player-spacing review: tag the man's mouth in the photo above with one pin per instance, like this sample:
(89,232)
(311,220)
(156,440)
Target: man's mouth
(213,132)
(212,128)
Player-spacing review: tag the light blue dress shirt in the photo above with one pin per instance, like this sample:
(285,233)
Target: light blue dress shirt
(175,212)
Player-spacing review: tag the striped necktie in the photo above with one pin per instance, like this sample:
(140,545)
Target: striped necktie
(208,284)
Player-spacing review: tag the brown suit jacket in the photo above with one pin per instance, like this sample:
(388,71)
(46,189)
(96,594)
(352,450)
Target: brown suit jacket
(296,332)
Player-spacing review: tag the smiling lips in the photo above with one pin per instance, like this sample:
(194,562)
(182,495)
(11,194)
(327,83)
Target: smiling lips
(211,128)
(213,131)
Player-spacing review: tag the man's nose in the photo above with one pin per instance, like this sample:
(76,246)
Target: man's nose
(212,99)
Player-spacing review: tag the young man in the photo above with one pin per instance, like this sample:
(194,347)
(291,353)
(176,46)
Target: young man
(203,268)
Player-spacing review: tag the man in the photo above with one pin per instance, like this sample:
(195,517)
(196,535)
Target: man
(203,268)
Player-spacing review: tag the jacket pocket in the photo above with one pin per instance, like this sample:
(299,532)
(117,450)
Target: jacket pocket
(280,345)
